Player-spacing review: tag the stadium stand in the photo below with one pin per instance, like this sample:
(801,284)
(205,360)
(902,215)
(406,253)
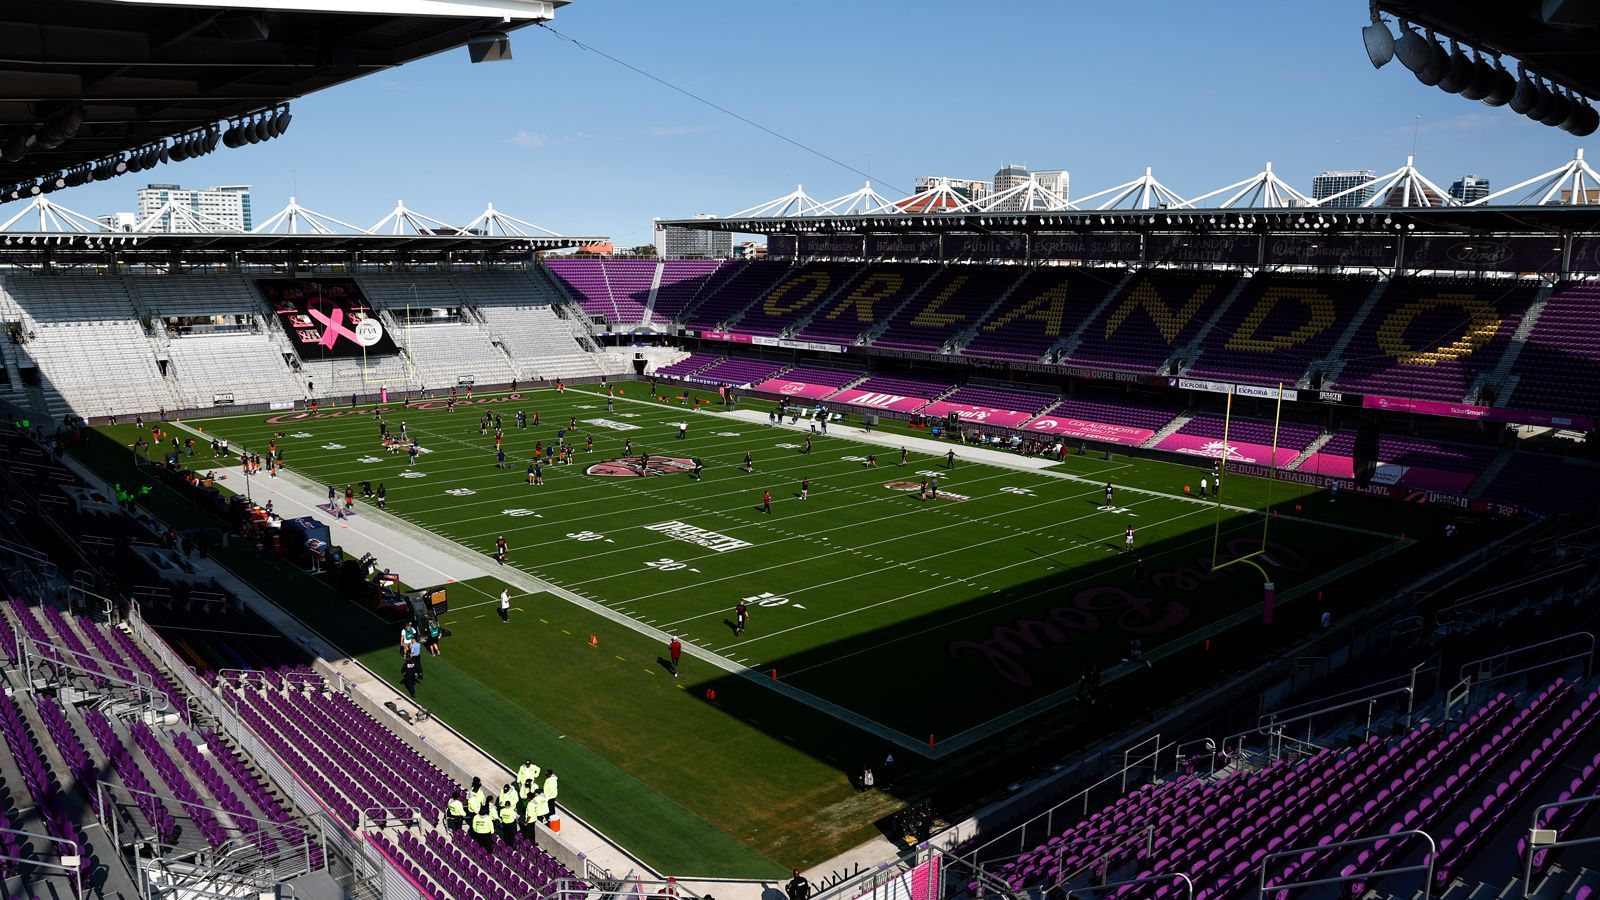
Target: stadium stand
(730,297)
(1467,325)
(738,371)
(1560,363)
(1043,308)
(1157,314)
(689,365)
(1278,326)
(684,282)
(616,289)
(802,293)
(950,303)
(873,297)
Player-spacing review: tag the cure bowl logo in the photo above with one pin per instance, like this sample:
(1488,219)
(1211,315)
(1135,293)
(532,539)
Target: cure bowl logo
(634,467)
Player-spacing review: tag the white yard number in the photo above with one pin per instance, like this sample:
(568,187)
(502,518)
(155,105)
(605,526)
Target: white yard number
(932,473)
(667,565)
(518,513)
(787,446)
(1021,492)
(768,598)
(369,460)
(413,474)
(583,406)
(854,458)
(333,446)
(627,415)
(301,434)
(585,536)
(727,434)
(461,492)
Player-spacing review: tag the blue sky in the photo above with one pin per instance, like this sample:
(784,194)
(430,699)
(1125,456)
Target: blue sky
(1203,92)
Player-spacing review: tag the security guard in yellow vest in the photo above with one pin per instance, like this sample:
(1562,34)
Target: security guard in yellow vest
(530,815)
(508,794)
(528,787)
(541,806)
(527,772)
(508,821)
(483,826)
(550,785)
(455,812)
(476,797)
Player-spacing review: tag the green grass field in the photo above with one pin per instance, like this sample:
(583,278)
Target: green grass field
(928,618)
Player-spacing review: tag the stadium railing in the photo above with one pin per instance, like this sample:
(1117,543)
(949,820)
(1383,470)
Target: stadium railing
(369,864)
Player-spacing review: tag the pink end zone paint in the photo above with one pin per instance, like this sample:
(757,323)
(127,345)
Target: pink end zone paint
(978,415)
(794,388)
(876,400)
(1236,451)
(1093,431)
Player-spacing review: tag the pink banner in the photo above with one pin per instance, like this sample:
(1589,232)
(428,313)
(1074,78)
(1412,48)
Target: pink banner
(1386,473)
(876,400)
(978,415)
(1468,411)
(726,336)
(1235,452)
(1092,431)
(794,388)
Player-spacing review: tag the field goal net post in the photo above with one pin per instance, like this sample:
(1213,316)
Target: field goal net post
(1254,558)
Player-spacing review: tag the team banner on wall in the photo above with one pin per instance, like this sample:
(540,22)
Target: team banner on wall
(327,317)
(1087,247)
(849,246)
(1202,248)
(902,246)
(1376,251)
(985,246)
(1495,254)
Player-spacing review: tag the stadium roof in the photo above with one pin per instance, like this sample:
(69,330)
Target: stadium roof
(138,72)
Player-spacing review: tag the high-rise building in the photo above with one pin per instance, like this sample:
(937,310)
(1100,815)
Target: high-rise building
(1009,176)
(222,206)
(1335,181)
(674,242)
(1470,188)
(118,221)
(1056,181)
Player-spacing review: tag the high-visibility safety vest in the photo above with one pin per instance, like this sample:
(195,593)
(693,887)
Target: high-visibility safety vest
(482,823)
(476,799)
(530,812)
(541,805)
(508,794)
(528,787)
(550,787)
(457,808)
(508,814)
(527,772)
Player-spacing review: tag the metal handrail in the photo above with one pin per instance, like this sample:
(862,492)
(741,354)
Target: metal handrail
(1275,727)
(1546,574)
(77,853)
(365,817)
(1588,656)
(1427,886)
(1188,883)
(1533,849)
(1148,833)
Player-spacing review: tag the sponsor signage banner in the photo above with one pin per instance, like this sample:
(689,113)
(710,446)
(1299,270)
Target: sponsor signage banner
(782,246)
(1091,431)
(1234,451)
(978,415)
(1303,475)
(1344,398)
(1332,250)
(901,246)
(1469,411)
(700,537)
(1206,248)
(765,341)
(1086,247)
(1222,387)
(1386,473)
(875,400)
(1498,254)
(326,317)
(985,246)
(725,336)
(794,388)
(222,399)
(846,245)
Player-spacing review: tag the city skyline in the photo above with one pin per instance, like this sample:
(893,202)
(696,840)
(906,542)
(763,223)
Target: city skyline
(447,137)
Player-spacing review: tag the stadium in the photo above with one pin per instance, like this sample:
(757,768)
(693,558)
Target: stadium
(968,543)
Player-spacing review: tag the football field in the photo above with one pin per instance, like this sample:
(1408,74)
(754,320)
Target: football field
(989,599)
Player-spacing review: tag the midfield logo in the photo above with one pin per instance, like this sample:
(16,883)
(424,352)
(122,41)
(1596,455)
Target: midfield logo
(634,467)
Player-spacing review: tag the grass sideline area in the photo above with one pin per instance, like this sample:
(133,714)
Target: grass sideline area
(898,609)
